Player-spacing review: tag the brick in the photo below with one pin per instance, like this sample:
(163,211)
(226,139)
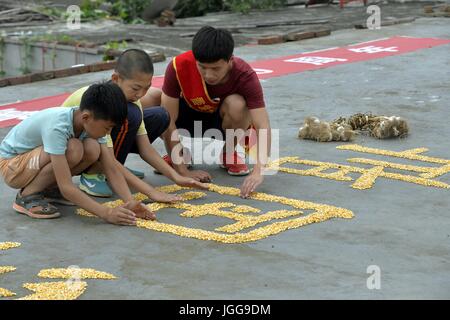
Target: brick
(361,25)
(4,82)
(296,36)
(428,9)
(110,52)
(40,76)
(19,80)
(322,33)
(445,8)
(88,45)
(440,14)
(388,23)
(271,40)
(157,57)
(405,20)
(102,66)
(61,73)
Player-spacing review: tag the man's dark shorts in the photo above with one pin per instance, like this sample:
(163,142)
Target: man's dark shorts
(187,116)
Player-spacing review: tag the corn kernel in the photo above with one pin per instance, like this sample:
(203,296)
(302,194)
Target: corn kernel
(70,273)
(9,245)
(6,269)
(6,293)
(55,290)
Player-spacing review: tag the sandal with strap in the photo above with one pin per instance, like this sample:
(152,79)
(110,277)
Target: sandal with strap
(35,206)
(53,195)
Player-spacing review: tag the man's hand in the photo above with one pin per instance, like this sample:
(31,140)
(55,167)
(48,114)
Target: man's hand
(251,183)
(199,175)
(120,216)
(190,182)
(140,210)
(159,196)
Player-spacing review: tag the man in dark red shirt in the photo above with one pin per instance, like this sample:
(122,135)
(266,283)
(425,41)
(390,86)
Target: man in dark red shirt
(209,84)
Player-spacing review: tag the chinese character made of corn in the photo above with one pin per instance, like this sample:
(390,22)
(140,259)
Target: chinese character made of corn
(370,175)
(244,218)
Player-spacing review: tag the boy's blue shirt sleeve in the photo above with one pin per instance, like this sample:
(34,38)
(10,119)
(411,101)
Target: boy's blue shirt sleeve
(55,140)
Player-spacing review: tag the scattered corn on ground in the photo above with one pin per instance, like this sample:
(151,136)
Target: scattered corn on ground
(4,293)
(71,273)
(9,245)
(322,213)
(55,290)
(6,269)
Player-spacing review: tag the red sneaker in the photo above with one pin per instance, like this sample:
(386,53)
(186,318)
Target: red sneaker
(167,159)
(234,164)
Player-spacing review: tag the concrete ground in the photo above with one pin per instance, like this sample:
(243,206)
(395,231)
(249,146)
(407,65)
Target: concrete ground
(402,228)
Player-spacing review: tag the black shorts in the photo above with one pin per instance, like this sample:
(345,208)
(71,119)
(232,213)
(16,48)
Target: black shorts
(187,116)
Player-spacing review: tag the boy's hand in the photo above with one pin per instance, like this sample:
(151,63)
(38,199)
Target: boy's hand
(121,216)
(251,183)
(159,196)
(198,175)
(140,210)
(190,182)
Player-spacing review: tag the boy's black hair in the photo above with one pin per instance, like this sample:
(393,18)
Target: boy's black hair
(106,101)
(132,61)
(211,45)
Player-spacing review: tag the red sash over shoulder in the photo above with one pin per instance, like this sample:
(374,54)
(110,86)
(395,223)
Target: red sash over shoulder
(193,87)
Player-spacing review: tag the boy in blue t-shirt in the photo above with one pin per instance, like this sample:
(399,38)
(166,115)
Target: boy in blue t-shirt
(40,155)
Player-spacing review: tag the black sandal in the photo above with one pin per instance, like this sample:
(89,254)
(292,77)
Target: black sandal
(53,195)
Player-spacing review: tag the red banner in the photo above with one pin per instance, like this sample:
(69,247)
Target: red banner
(12,114)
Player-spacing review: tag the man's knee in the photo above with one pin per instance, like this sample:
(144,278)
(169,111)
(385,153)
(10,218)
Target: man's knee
(157,120)
(91,150)
(234,107)
(74,152)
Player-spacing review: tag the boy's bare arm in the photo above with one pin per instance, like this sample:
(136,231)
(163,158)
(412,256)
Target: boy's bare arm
(152,157)
(141,186)
(260,120)
(171,139)
(116,179)
(71,192)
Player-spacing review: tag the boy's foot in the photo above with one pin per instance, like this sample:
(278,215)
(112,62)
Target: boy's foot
(54,196)
(186,157)
(234,164)
(95,185)
(138,174)
(35,206)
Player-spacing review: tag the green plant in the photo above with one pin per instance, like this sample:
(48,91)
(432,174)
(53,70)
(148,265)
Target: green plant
(193,8)
(26,55)
(51,11)
(90,10)
(53,55)
(59,38)
(190,8)
(242,6)
(129,10)
(113,45)
(2,56)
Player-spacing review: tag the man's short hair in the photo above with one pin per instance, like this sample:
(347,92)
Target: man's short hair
(106,101)
(132,61)
(211,45)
